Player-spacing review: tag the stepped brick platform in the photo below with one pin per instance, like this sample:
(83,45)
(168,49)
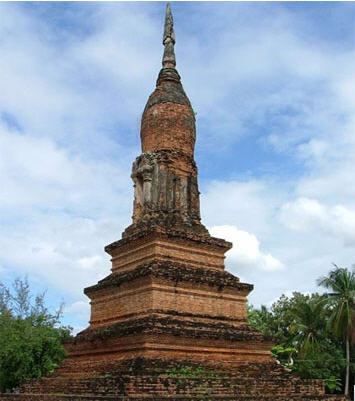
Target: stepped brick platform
(142,379)
(168,301)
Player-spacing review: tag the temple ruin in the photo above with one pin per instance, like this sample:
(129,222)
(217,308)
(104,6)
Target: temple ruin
(169,305)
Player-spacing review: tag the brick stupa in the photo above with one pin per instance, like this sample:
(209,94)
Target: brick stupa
(169,302)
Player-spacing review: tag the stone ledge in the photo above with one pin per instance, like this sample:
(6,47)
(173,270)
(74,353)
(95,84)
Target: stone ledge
(175,273)
(197,233)
(170,326)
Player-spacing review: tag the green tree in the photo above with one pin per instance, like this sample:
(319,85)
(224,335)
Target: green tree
(308,326)
(304,343)
(30,336)
(341,302)
(262,319)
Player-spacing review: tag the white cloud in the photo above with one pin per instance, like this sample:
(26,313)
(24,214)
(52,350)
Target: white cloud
(306,214)
(305,236)
(35,173)
(58,211)
(248,204)
(302,213)
(246,252)
(66,252)
(79,308)
(90,262)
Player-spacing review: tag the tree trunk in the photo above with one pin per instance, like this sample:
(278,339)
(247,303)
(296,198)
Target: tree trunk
(347,376)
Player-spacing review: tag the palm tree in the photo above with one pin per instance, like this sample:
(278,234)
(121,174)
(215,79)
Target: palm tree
(308,326)
(341,301)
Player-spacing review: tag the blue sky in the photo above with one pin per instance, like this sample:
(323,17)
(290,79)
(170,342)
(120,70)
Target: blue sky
(273,87)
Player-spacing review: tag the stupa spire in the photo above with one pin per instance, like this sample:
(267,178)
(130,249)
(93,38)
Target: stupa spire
(165,174)
(168,121)
(169,40)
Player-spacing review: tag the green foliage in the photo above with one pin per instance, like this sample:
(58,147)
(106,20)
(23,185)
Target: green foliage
(310,330)
(182,373)
(325,361)
(308,326)
(30,336)
(341,303)
(283,354)
(262,319)
(190,372)
(333,384)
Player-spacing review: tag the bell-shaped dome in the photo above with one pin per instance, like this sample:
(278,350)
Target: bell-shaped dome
(168,120)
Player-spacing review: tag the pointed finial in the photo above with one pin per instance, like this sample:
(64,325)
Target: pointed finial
(169,40)
(169,26)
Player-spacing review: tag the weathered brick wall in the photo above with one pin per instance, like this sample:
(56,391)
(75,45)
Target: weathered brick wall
(160,386)
(170,397)
(114,307)
(249,382)
(149,293)
(163,338)
(163,248)
(150,379)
